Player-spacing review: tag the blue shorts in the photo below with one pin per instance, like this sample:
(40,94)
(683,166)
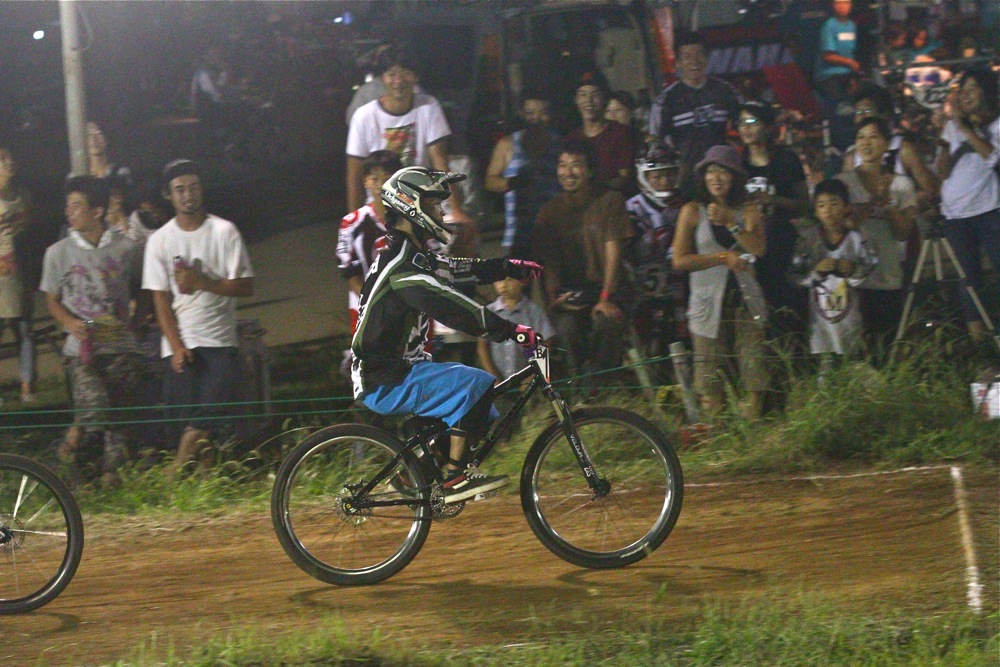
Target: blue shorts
(446,391)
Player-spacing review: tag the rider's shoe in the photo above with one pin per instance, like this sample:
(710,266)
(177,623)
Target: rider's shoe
(466,484)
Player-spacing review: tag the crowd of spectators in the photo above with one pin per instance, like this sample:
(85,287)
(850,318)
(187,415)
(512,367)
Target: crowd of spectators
(708,215)
(699,226)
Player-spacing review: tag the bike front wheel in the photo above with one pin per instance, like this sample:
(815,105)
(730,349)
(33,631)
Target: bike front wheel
(41,535)
(321,520)
(633,514)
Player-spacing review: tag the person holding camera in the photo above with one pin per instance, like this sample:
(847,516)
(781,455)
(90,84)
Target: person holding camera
(970,191)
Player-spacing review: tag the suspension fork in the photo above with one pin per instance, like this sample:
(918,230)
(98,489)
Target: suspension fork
(598,485)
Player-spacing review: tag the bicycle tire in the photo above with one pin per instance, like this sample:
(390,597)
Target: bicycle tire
(327,539)
(41,535)
(633,519)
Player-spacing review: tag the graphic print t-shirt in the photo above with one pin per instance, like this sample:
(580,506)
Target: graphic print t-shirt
(409,135)
(94,283)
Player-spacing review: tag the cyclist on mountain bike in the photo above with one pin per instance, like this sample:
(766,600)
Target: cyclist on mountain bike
(407,286)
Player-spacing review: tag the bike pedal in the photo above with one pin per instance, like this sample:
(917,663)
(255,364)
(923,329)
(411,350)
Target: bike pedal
(485,495)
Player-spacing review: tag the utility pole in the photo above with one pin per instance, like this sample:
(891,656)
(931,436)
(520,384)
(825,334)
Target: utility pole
(76,99)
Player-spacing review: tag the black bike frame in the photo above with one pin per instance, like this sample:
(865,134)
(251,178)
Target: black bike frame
(482,449)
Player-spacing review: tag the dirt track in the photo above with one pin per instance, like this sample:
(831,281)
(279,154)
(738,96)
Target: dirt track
(482,577)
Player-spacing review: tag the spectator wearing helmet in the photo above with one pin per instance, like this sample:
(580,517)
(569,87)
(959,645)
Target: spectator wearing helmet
(661,293)
(196,266)
(654,210)
(776,182)
(523,168)
(408,285)
(611,143)
(580,236)
(410,124)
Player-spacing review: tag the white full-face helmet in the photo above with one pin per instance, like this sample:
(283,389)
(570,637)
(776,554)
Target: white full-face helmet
(406,191)
(652,157)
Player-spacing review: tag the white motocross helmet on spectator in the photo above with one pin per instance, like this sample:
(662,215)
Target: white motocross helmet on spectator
(654,156)
(406,190)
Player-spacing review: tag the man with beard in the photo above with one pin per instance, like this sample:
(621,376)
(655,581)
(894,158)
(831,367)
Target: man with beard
(610,143)
(523,167)
(196,266)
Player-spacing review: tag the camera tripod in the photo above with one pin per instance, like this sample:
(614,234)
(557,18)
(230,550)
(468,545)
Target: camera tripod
(933,244)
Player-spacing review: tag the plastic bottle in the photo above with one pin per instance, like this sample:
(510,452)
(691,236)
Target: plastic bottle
(179,263)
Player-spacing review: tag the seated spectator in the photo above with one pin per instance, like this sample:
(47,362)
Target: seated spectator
(661,292)
(610,143)
(523,168)
(776,182)
(904,156)
(16,292)
(970,194)
(884,207)
(579,238)
(89,278)
(718,236)
(361,235)
(831,260)
(694,113)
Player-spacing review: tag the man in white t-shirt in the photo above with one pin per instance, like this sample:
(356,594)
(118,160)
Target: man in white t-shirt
(196,266)
(410,124)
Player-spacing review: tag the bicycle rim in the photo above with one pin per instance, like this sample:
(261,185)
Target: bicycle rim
(327,538)
(628,523)
(41,535)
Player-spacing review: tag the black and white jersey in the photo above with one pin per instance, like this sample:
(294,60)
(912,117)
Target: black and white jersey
(405,288)
(694,119)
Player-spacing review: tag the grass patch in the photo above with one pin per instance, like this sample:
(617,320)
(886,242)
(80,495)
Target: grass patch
(805,630)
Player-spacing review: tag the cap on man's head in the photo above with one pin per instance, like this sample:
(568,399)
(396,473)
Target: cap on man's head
(180,167)
(762,112)
(592,77)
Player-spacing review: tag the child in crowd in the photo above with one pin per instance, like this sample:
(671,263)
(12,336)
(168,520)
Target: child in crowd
(831,260)
(506,358)
(362,234)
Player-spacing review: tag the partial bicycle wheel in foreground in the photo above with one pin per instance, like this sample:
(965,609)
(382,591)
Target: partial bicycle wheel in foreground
(41,535)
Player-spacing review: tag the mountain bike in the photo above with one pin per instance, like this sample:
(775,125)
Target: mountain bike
(41,535)
(601,487)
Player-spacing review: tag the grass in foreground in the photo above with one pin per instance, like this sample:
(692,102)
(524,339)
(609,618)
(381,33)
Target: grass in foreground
(804,631)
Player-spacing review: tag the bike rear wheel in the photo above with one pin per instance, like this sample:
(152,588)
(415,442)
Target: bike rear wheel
(41,535)
(643,499)
(315,511)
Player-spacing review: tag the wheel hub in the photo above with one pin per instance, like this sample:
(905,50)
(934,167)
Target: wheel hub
(348,512)
(11,534)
